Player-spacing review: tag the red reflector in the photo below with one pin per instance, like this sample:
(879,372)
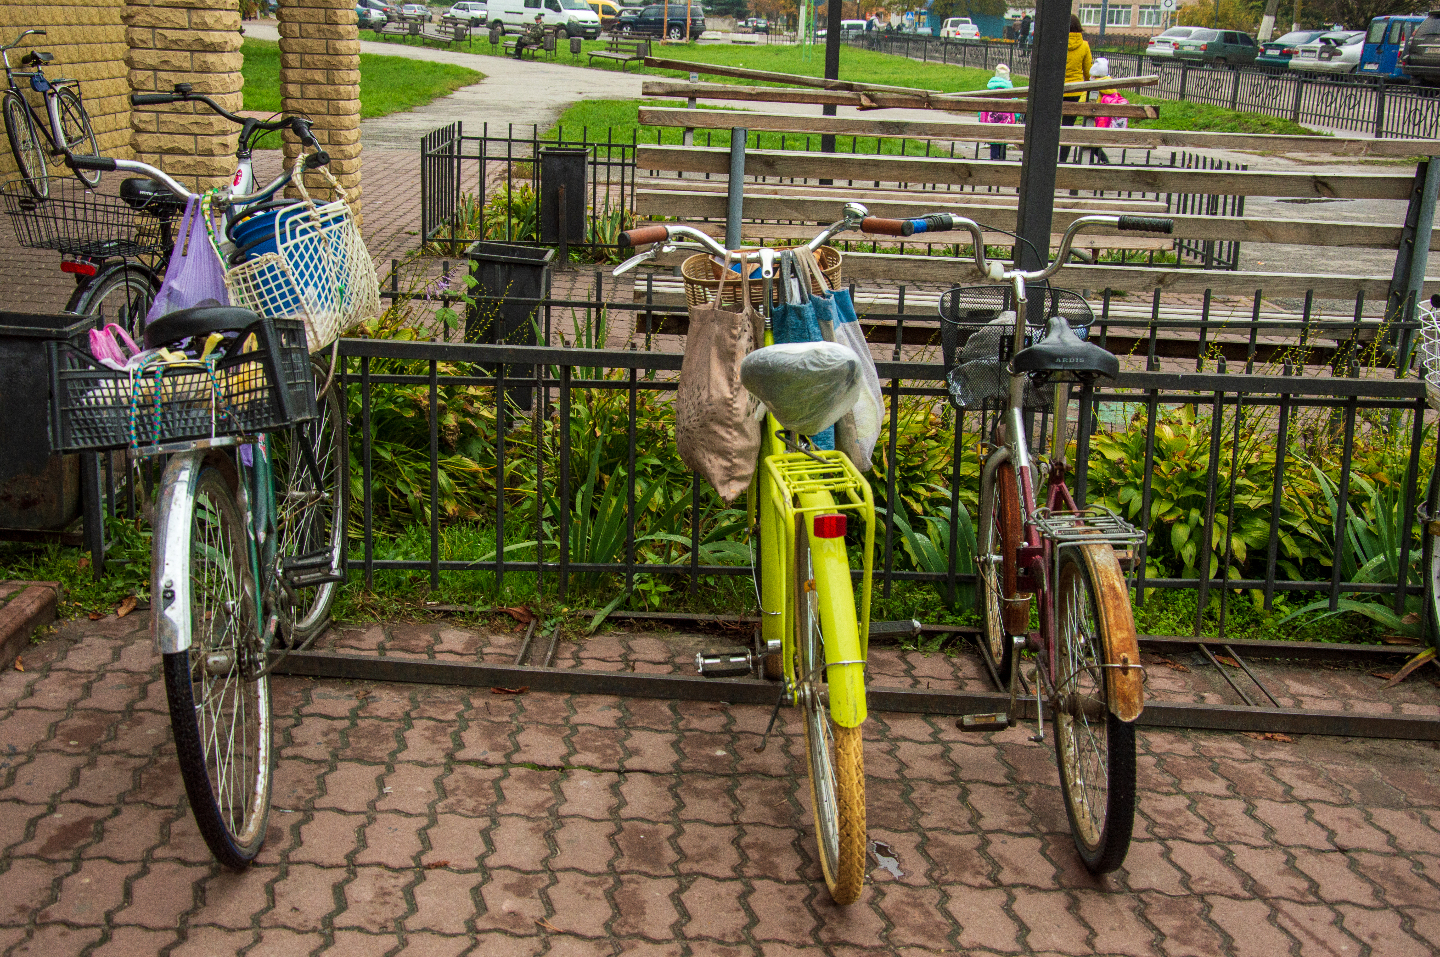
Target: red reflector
(82,268)
(829,526)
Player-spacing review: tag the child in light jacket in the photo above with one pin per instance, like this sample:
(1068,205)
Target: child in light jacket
(1000,81)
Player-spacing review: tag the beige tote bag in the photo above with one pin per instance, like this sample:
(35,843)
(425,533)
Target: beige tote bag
(717,426)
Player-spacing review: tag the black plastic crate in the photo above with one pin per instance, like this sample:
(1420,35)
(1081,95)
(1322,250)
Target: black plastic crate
(94,407)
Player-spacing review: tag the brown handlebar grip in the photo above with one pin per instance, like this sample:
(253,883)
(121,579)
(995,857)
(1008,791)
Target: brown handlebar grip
(885,227)
(644,234)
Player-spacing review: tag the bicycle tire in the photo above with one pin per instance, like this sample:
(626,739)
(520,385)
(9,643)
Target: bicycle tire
(1430,561)
(25,145)
(1094,749)
(75,127)
(997,545)
(306,523)
(122,294)
(221,718)
(834,754)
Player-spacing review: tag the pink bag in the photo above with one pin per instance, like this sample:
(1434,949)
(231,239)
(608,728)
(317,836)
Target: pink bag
(109,346)
(195,275)
(1106,122)
(989,117)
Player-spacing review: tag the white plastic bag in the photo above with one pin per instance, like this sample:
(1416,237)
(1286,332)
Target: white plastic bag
(807,386)
(857,432)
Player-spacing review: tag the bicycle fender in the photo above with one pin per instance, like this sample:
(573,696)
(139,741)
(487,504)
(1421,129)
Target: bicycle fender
(839,630)
(170,568)
(1117,629)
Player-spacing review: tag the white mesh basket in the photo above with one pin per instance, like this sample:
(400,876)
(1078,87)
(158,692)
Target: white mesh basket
(321,274)
(1430,351)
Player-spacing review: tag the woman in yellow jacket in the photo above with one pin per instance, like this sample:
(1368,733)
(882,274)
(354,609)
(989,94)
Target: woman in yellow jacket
(1077,70)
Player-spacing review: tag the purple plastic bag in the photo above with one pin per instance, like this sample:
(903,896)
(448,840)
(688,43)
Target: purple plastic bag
(195,275)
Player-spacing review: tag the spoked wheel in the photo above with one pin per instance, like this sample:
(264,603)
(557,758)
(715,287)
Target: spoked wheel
(122,296)
(311,518)
(219,709)
(1430,559)
(25,144)
(676,33)
(1094,748)
(79,136)
(834,754)
(997,560)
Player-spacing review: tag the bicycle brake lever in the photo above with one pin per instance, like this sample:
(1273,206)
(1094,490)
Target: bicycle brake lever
(635,260)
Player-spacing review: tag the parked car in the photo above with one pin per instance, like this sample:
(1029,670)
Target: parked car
(755,25)
(1384,42)
(391,10)
(415,11)
(851,28)
(570,18)
(468,10)
(606,10)
(1421,58)
(1217,47)
(370,18)
(1337,52)
(960,28)
(1277,53)
(1163,44)
(652,21)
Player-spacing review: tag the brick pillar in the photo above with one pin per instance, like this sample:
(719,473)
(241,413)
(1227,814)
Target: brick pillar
(320,78)
(185,41)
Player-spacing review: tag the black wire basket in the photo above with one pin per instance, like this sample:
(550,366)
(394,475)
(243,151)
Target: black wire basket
(94,407)
(77,221)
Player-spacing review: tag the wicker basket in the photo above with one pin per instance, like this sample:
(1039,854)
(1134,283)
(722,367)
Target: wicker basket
(702,278)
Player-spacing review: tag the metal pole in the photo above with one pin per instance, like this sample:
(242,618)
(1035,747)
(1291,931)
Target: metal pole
(735,191)
(1105,15)
(1042,139)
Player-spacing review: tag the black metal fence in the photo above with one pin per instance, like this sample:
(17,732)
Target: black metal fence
(1344,102)
(1224,453)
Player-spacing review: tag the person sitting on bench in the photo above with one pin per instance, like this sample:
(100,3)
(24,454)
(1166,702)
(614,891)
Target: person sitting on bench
(533,36)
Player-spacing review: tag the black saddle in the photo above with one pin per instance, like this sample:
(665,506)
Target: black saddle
(196,321)
(1061,351)
(37,58)
(151,197)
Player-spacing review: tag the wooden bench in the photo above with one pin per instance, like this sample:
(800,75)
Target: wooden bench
(623,51)
(451,30)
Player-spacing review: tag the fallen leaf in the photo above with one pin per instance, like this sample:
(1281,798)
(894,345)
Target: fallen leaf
(1413,618)
(84,562)
(1268,736)
(1399,640)
(96,615)
(520,613)
(510,690)
(1171,664)
(1382,675)
(19,665)
(547,925)
(1226,660)
(125,607)
(434,864)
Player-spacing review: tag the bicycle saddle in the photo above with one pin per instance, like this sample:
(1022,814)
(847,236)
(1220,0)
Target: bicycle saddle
(196,321)
(807,386)
(148,195)
(37,58)
(1063,351)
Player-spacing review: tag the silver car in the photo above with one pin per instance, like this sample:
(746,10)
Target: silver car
(1163,44)
(1337,52)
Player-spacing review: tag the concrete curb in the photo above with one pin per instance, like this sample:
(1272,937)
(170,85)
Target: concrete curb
(32,608)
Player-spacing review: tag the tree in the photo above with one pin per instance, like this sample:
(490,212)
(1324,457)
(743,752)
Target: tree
(1234,15)
(738,9)
(1357,14)
(965,8)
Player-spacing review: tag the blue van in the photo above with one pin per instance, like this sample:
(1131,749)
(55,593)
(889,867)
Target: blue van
(1383,44)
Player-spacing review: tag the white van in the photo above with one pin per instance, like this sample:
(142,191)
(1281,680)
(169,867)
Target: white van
(573,17)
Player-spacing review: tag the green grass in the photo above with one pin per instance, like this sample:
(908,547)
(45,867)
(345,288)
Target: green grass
(1202,118)
(387,84)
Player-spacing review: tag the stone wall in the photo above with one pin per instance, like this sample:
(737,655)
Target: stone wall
(320,78)
(87,38)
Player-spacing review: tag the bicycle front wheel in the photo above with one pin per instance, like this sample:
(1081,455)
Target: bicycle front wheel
(997,545)
(219,699)
(79,136)
(310,517)
(834,754)
(1094,748)
(25,144)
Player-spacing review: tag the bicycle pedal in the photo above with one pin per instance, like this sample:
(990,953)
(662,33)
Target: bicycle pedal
(993,721)
(723,662)
(308,571)
(312,579)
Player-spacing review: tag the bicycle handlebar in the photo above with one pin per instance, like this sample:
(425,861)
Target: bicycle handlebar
(184,93)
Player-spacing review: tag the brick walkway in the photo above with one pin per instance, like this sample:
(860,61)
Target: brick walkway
(450,821)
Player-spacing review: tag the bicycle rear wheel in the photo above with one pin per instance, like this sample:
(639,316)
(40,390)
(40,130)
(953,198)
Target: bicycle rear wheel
(310,518)
(25,144)
(219,700)
(1094,748)
(79,136)
(121,295)
(834,754)
(997,543)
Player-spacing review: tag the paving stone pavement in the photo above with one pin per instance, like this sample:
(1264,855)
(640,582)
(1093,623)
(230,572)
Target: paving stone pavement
(439,820)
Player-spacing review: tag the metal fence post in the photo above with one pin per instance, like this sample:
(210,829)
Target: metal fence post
(1295,109)
(735,205)
(1379,107)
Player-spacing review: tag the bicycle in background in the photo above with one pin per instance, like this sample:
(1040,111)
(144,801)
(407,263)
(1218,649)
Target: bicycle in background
(1081,631)
(65,125)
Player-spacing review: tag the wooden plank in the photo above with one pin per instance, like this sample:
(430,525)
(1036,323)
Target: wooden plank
(842,193)
(1085,136)
(917,169)
(754,233)
(852,86)
(875,101)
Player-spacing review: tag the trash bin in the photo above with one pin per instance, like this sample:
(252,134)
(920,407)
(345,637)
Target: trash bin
(510,280)
(38,489)
(575,46)
(562,172)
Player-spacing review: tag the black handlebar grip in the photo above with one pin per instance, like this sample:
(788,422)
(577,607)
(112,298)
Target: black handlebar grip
(644,234)
(104,163)
(887,227)
(1147,224)
(317,160)
(150,99)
